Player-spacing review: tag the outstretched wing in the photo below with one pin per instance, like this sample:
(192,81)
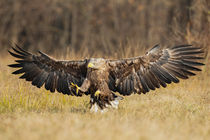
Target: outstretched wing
(41,69)
(156,68)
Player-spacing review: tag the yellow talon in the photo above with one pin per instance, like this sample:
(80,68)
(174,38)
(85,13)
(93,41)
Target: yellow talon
(77,87)
(97,93)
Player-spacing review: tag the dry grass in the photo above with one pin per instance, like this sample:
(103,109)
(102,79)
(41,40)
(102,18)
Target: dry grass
(178,112)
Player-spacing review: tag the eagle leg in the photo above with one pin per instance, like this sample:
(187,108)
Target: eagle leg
(97,93)
(84,87)
(75,86)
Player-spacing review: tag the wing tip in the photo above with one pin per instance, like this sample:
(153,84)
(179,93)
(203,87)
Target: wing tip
(14,65)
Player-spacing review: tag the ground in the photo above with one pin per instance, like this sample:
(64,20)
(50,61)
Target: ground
(181,111)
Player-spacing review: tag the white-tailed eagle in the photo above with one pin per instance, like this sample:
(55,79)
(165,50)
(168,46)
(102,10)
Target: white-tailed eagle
(101,78)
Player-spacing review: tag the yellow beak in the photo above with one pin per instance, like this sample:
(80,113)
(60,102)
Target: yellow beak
(90,65)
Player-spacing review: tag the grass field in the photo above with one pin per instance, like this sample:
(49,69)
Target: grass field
(181,111)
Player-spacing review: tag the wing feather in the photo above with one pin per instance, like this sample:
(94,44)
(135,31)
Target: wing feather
(153,79)
(148,81)
(157,67)
(40,79)
(42,69)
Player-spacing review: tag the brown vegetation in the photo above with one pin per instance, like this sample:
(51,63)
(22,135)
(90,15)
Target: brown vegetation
(99,25)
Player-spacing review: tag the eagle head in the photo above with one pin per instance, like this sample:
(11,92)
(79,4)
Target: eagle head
(97,63)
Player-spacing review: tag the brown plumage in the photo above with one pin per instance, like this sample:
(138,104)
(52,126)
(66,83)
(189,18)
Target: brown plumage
(102,77)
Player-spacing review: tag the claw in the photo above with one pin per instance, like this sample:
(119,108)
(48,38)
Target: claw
(97,93)
(76,86)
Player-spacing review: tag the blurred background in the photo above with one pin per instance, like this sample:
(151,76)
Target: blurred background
(102,26)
